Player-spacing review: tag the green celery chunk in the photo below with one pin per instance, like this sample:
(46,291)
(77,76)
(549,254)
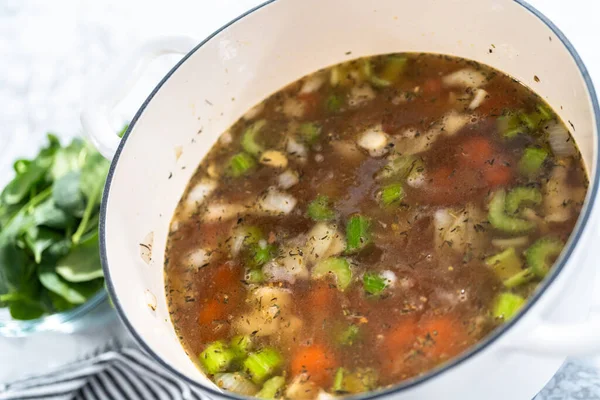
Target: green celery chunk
(349,335)
(510,126)
(499,220)
(357,233)
(373,283)
(252,234)
(519,195)
(338,267)
(392,194)
(240,164)
(360,381)
(241,345)
(320,209)
(333,103)
(216,357)
(507,305)
(394,67)
(399,167)
(521,278)
(262,255)
(255,276)
(545,111)
(505,264)
(338,380)
(532,160)
(531,120)
(538,255)
(249,138)
(310,132)
(272,388)
(262,364)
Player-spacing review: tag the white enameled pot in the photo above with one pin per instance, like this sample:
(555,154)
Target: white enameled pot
(277,43)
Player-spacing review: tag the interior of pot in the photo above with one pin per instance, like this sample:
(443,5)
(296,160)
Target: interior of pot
(254,57)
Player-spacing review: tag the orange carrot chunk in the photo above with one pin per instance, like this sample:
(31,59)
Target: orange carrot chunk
(317,362)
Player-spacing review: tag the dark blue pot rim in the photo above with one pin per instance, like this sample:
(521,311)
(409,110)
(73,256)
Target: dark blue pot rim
(575,237)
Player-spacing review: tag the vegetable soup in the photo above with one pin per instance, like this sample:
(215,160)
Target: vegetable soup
(368,223)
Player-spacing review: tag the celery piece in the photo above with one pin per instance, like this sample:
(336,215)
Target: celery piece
(532,160)
(216,357)
(240,345)
(271,388)
(392,194)
(373,283)
(505,264)
(538,255)
(240,164)
(503,222)
(357,233)
(320,209)
(310,132)
(249,138)
(338,267)
(519,195)
(262,364)
(507,305)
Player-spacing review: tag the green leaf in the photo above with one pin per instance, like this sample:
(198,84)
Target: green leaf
(68,159)
(93,177)
(48,214)
(76,293)
(25,310)
(59,303)
(82,263)
(67,194)
(40,239)
(21,185)
(13,268)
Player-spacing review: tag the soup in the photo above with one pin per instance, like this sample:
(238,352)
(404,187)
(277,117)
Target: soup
(368,223)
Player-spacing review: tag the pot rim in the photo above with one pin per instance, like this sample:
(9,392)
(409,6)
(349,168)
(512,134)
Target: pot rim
(413,382)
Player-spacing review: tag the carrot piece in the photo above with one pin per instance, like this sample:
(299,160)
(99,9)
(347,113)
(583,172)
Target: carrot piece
(210,311)
(317,361)
(497,174)
(401,338)
(442,336)
(475,152)
(432,86)
(226,275)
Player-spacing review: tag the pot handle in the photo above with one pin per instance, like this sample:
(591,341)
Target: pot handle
(116,84)
(578,339)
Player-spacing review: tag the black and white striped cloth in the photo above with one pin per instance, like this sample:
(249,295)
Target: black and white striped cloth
(124,374)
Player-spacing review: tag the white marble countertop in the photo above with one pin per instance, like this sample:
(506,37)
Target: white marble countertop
(49,50)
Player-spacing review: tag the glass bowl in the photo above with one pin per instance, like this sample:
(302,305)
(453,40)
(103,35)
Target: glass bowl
(97,311)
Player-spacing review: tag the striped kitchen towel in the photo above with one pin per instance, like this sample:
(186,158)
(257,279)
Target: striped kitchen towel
(127,374)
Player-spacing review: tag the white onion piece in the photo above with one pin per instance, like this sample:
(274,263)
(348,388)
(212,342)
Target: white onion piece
(226,138)
(287,268)
(223,212)
(361,94)
(293,107)
(453,122)
(199,258)
(520,241)
(254,111)
(478,99)
(466,77)
(375,141)
(200,192)
(237,383)
(312,84)
(557,196)
(390,277)
(276,203)
(319,240)
(287,179)
(323,395)
(560,140)
(301,387)
(296,149)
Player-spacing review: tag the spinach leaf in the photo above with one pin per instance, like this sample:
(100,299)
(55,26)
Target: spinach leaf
(68,290)
(14,268)
(25,310)
(19,187)
(67,194)
(68,159)
(48,214)
(59,303)
(40,239)
(82,263)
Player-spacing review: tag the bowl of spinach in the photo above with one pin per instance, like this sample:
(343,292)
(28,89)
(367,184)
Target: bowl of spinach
(49,252)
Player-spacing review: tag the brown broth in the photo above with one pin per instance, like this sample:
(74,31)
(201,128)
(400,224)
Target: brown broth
(441,293)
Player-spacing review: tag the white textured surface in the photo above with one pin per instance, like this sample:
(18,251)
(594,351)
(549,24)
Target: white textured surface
(49,51)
